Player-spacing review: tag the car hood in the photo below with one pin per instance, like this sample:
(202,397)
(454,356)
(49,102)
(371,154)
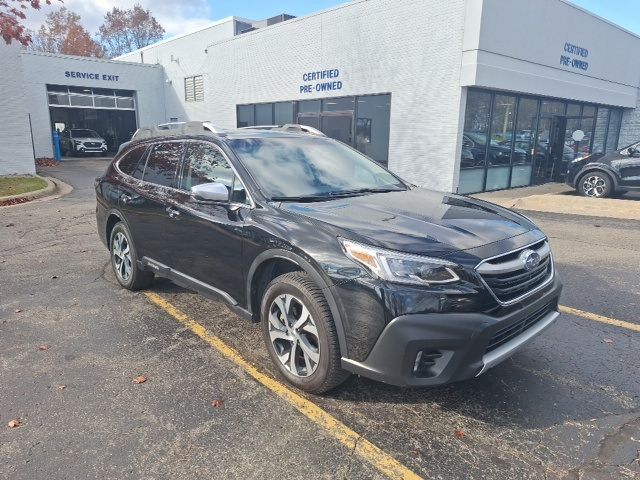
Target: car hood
(418,221)
(88,139)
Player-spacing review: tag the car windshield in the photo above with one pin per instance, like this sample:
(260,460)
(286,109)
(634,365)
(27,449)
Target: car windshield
(311,167)
(83,133)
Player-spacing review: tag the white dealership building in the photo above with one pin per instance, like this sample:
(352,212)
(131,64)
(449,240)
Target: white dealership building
(458,95)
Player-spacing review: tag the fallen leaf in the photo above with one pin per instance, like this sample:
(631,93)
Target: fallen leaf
(139,379)
(61,387)
(17,310)
(43,347)
(54,277)
(217,403)
(607,340)
(10,225)
(458,433)
(14,423)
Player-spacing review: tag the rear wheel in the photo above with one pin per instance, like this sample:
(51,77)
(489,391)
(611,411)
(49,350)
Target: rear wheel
(595,184)
(300,334)
(124,260)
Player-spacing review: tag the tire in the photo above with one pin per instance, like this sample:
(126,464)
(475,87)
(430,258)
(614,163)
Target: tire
(123,254)
(315,341)
(595,184)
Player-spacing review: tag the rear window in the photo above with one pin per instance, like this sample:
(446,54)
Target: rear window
(162,163)
(131,159)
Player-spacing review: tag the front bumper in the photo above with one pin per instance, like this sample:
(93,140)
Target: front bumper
(85,149)
(454,346)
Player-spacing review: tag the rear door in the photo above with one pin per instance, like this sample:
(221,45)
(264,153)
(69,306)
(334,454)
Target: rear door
(628,166)
(208,235)
(145,200)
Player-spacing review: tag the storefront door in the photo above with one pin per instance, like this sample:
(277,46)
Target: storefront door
(549,149)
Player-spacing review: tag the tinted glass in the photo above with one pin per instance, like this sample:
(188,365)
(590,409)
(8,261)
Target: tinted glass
(552,107)
(600,134)
(204,163)
(338,104)
(476,125)
(615,120)
(81,101)
(573,110)
(504,112)
(130,161)
(283,113)
(307,166)
(245,116)
(309,106)
(372,126)
(162,163)
(264,114)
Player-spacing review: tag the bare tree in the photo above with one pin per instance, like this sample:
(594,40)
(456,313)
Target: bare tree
(126,30)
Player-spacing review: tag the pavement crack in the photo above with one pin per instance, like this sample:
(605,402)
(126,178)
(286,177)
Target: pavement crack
(351,456)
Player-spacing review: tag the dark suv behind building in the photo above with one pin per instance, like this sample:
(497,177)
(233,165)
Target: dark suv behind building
(348,268)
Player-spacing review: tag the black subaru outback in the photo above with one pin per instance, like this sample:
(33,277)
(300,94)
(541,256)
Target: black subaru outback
(348,268)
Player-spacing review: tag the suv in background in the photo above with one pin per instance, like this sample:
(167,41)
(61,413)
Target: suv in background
(81,141)
(602,175)
(348,268)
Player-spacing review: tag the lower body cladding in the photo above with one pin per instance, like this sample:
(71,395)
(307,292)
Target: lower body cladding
(437,348)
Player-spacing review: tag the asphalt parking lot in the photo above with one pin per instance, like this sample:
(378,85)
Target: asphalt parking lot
(71,341)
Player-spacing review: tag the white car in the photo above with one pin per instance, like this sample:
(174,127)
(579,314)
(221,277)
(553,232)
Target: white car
(82,141)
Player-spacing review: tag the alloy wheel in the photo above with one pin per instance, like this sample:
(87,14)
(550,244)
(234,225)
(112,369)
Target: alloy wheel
(594,186)
(121,253)
(294,335)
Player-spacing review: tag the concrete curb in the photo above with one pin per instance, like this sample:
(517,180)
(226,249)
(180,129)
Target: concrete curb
(573,205)
(54,189)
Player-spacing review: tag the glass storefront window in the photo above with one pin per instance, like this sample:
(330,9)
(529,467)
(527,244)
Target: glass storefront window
(81,100)
(615,120)
(264,114)
(372,126)
(309,106)
(246,116)
(338,104)
(504,146)
(283,113)
(552,107)
(600,133)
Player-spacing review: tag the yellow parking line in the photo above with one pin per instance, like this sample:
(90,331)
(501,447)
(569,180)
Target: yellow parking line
(366,450)
(600,318)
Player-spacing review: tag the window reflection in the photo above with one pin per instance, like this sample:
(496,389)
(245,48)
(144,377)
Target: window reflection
(162,163)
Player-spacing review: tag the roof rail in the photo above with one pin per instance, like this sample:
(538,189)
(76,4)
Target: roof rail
(288,127)
(178,128)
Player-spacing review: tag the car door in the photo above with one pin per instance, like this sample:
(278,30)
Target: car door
(628,166)
(208,235)
(144,200)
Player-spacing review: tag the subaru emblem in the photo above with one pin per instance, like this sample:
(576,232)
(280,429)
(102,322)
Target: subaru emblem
(530,258)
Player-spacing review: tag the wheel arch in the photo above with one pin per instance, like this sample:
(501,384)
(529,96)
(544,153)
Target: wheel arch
(597,168)
(113,217)
(259,275)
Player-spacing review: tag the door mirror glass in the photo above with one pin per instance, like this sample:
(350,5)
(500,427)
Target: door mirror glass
(632,152)
(214,192)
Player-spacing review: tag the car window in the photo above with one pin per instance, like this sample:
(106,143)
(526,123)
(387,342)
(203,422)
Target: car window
(131,159)
(205,163)
(162,163)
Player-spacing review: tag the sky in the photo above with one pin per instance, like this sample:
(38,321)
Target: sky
(179,16)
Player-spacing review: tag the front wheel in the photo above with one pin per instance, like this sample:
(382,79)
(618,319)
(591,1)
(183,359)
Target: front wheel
(300,334)
(595,184)
(124,260)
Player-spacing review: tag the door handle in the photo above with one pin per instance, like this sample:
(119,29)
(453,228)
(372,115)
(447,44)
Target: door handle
(125,198)
(173,213)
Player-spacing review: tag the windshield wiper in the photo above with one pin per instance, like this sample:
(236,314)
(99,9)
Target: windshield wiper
(359,191)
(301,198)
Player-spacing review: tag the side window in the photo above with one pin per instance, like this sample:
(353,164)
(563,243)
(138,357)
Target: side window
(131,159)
(205,163)
(162,163)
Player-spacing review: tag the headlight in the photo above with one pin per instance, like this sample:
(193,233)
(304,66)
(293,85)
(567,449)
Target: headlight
(400,267)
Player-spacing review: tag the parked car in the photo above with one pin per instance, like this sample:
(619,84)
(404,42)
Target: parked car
(348,268)
(605,174)
(499,153)
(81,141)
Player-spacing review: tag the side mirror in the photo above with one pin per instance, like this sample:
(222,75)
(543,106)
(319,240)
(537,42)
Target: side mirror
(214,192)
(633,152)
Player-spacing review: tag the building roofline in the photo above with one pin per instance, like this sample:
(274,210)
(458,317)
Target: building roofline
(86,59)
(185,34)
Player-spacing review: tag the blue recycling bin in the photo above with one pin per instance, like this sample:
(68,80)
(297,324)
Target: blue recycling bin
(57,150)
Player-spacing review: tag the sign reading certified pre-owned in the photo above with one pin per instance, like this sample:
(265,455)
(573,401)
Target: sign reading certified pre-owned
(321,81)
(574,56)
(92,76)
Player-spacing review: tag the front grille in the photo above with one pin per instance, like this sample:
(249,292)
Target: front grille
(505,334)
(92,144)
(507,277)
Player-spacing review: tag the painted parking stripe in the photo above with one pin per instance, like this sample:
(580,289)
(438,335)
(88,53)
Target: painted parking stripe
(600,318)
(366,450)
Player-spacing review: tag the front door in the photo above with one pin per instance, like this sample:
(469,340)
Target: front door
(628,166)
(207,236)
(337,125)
(549,149)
